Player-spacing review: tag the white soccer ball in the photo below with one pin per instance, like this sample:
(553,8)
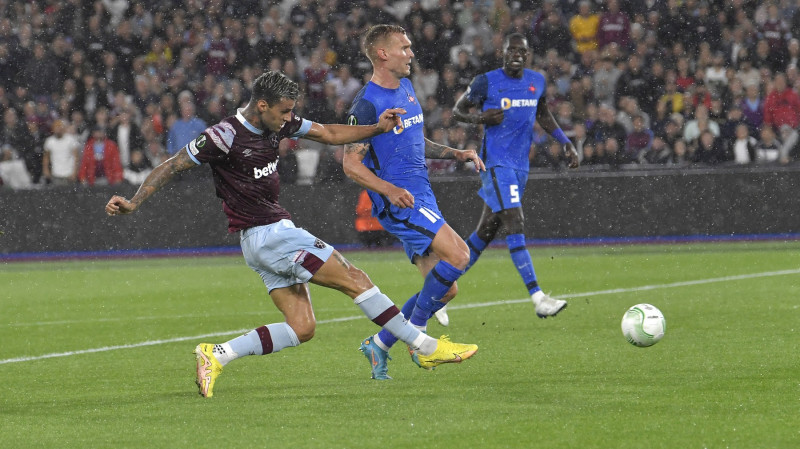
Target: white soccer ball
(643,325)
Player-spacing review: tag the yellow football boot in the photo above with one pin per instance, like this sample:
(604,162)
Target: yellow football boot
(447,352)
(208,368)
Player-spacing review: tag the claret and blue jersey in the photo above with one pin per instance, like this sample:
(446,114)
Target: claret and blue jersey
(508,144)
(397,156)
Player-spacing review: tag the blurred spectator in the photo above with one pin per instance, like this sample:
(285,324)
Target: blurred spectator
(34,150)
(60,160)
(658,153)
(127,136)
(314,78)
(743,147)
(607,128)
(183,130)
(638,142)
(708,149)
(614,27)
(782,112)
(584,27)
(447,88)
(773,33)
(346,86)
(17,150)
(728,127)
(41,74)
(604,80)
(753,107)
(716,75)
(100,164)
(769,146)
(682,154)
(700,124)
(138,168)
(552,34)
(220,54)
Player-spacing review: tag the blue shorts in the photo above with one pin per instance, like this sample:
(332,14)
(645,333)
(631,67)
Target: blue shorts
(282,254)
(414,226)
(502,188)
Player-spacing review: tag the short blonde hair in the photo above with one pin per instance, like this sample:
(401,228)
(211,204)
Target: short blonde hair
(378,34)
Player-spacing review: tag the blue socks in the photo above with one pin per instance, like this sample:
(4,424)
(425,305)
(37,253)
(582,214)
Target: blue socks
(522,260)
(476,247)
(436,285)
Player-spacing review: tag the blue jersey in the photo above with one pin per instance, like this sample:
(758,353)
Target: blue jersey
(508,144)
(397,156)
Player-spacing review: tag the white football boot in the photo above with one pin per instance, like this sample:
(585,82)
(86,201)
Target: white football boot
(441,316)
(547,306)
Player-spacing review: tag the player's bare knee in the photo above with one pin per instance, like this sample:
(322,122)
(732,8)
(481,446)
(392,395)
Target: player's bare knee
(304,330)
(459,259)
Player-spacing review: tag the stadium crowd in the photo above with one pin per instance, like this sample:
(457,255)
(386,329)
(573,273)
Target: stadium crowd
(99,92)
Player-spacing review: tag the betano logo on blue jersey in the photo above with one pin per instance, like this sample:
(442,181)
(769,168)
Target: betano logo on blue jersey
(507,103)
(408,122)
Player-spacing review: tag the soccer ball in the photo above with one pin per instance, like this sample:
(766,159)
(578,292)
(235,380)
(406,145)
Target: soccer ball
(643,325)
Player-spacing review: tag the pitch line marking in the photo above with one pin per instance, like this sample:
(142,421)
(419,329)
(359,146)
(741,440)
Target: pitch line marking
(357,317)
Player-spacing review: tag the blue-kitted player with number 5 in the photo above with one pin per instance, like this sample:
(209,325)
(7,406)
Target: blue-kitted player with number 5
(508,101)
(393,170)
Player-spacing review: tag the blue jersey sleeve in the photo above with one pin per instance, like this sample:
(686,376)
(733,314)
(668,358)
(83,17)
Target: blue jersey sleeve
(362,112)
(478,90)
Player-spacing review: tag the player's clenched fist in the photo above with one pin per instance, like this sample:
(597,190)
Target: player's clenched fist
(118,205)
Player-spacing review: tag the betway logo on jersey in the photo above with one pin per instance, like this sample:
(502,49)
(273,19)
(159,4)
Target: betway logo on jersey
(507,103)
(408,122)
(266,171)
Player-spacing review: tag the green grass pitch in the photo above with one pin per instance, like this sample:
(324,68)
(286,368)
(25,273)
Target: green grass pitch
(98,354)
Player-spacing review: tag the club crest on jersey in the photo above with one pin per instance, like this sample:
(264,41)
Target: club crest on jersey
(411,99)
(274,141)
(320,244)
(507,103)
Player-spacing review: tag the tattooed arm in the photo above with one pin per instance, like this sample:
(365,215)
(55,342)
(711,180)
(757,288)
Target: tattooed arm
(358,172)
(158,178)
(435,150)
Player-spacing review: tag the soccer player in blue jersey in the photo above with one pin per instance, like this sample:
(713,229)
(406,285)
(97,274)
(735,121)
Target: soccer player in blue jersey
(507,102)
(242,151)
(392,167)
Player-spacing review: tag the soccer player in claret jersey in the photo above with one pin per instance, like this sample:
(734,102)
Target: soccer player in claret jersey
(509,100)
(242,151)
(392,167)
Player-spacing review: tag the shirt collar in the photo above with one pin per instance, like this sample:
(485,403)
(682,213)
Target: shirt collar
(247,124)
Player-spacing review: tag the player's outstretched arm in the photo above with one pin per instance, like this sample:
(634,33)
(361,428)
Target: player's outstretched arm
(435,150)
(358,172)
(158,178)
(549,124)
(336,134)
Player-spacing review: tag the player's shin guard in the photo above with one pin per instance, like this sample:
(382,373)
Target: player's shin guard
(382,311)
(436,285)
(522,260)
(476,246)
